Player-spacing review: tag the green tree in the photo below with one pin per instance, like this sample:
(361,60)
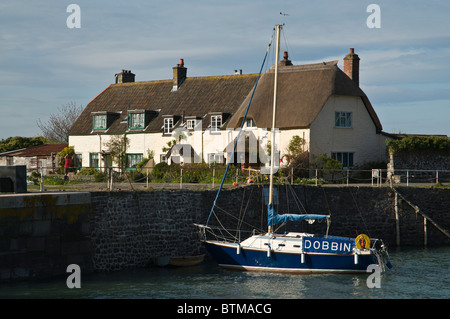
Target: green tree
(295,146)
(117,147)
(70,150)
(326,164)
(19,142)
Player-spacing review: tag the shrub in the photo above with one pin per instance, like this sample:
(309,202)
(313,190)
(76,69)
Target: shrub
(87,171)
(414,143)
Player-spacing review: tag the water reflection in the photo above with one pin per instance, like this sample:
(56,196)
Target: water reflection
(420,273)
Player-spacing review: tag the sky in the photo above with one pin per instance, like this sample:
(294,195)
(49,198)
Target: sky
(44,64)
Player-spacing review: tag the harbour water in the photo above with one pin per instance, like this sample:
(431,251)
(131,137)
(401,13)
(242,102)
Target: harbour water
(420,273)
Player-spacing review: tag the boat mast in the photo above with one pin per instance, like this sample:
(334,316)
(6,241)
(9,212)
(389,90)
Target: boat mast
(272,151)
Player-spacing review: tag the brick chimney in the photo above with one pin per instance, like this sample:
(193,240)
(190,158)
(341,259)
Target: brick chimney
(124,77)
(285,60)
(179,75)
(351,66)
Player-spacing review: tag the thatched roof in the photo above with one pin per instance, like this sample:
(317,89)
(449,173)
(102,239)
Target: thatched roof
(302,92)
(196,97)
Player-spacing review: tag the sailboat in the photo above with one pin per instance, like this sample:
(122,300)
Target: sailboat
(292,252)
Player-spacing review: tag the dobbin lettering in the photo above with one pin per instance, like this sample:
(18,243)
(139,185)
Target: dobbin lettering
(324,245)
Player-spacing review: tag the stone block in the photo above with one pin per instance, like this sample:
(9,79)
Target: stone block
(35,244)
(41,227)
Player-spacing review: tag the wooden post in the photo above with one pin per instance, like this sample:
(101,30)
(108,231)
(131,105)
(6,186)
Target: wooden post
(407,178)
(397,221)
(425,232)
(42,179)
(181,178)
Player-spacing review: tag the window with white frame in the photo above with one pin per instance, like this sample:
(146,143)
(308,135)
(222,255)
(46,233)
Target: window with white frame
(215,158)
(137,120)
(250,123)
(99,122)
(168,125)
(343,119)
(346,158)
(216,123)
(162,158)
(190,124)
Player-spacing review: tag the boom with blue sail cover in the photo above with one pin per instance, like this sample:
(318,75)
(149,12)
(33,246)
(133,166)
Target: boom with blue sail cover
(274,218)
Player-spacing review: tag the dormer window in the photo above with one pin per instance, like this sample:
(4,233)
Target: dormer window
(216,123)
(190,124)
(139,119)
(99,122)
(250,123)
(136,120)
(168,125)
(102,120)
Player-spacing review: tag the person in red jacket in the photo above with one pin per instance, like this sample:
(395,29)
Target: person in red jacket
(67,163)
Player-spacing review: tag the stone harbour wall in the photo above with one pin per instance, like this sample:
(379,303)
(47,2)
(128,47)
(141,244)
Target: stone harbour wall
(132,229)
(41,234)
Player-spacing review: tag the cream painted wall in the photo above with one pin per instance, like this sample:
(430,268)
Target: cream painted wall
(203,142)
(361,138)
(322,137)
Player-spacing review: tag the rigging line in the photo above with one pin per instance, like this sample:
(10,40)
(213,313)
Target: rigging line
(359,211)
(297,200)
(326,201)
(240,212)
(241,220)
(231,215)
(224,229)
(240,130)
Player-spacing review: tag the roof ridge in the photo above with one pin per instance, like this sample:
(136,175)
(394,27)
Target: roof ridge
(232,76)
(305,67)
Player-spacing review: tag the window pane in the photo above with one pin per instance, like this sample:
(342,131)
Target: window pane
(137,120)
(216,122)
(348,119)
(345,159)
(94,160)
(99,122)
(133,160)
(343,119)
(168,125)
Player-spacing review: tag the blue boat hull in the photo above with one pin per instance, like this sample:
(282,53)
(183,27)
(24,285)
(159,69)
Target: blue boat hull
(227,256)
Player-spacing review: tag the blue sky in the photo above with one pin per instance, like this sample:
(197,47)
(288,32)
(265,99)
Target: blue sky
(404,67)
